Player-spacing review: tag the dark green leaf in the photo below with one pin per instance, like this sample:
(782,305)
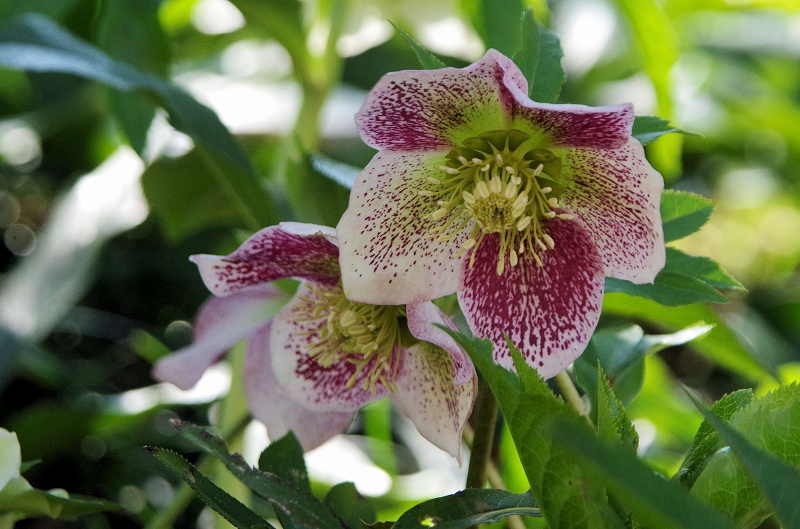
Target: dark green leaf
(315,198)
(758,475)
(428,60)
(706,442)
(498,22)
(356,511)
(654,500)
(468,508)
(647,129)
(567,496)
(291,502)
(284,458)
(238,514)
(683,213)
(48,8)
(539,58)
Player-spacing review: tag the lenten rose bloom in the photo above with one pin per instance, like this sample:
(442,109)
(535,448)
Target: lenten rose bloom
(520,207)
(322,357)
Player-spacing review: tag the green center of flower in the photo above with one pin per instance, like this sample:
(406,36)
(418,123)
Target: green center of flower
(364,335)
(508,186)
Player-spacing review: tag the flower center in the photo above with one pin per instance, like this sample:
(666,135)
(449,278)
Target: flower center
(364,335)
(507,186)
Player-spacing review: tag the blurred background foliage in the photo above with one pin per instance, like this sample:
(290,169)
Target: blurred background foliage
(102,200)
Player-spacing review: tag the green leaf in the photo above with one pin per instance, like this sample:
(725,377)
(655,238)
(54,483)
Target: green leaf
(621,352)
(428,60)
(284,458)
(612,419)
(539,58)
(342,173)
(655,501)
(289,501)
(238,514)
(498,22)
(720,344)
(647,129)
(567,496)
(683,213)
(315,197)
(706,442)
(34,43)
(468,508)
(758,475)
(352,508)
(48,8)
(684,279)
(23,501)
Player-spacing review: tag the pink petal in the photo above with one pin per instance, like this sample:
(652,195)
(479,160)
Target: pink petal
(549,312)
(318,388)
(220,324)
(387,253)
(432,110)
(422,320)
(270,404)
(617,195)
(289,250)
(427,394)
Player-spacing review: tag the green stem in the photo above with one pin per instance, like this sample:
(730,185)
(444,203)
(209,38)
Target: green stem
(485,422)
(570,393)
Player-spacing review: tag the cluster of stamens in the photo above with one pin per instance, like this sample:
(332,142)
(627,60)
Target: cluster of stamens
(507,187)
(358,333)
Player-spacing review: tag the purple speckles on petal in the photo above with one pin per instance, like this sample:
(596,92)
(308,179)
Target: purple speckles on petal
(548,311)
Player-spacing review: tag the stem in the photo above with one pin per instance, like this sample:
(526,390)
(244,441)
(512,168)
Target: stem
(485,422)
(570,393)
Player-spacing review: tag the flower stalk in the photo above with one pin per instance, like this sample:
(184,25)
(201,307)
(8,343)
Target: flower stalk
(486,409)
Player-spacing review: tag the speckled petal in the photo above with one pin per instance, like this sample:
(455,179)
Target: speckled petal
(220,323)
(292,249)
(548,311)
(318,388)
(422,320)
(427,395)
(617,195)
(270,404)
(387,252)
(432,110)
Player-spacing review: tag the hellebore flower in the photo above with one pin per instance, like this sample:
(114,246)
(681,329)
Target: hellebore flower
(520,207)
(322,357)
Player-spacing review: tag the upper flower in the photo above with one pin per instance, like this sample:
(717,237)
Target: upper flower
(520,207)
(323,356)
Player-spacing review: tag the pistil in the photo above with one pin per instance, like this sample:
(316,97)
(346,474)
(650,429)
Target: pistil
(507,186)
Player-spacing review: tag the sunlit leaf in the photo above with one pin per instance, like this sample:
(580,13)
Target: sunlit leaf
(647,129)
(539,58)
(468,508)
(428,60)
(683,213)
(498,22)
(655,501)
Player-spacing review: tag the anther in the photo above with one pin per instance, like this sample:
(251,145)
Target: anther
(549,240)
(495,185)
(439,214)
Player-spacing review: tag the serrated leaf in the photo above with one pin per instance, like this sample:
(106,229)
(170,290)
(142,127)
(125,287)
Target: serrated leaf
(498,22)
(539,58)
(342,173)
(284,458)
(238,514)
(612,419)
(35,43)
(720,344)
(566,495)
(428,60)
(468,508)
(703,268)
(304,510)
(706,441)
(655,501)
(356,511)
(683,213)
(647,129)
(758,475)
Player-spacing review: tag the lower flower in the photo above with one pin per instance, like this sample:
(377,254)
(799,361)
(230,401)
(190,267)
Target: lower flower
(322,357)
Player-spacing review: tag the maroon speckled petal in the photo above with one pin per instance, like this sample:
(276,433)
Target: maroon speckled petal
(304,251)
(432,110)
(422,320)
(549,312)
(221,323)
(387,253)
(427,395)
(617,195)
(317,387)
(270,404)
